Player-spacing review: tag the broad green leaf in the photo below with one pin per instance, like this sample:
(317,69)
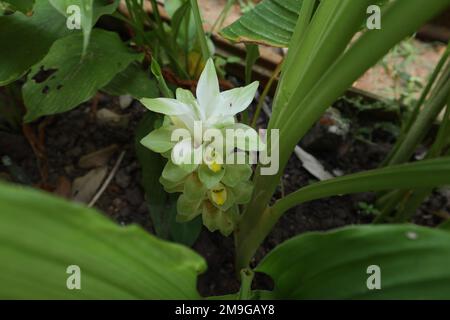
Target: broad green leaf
(41,236)
(421,174)
(413,264)
(162,206)
(271,23)
(445,225)
(63,79)
(24,6)
(133,81)
(89,10)
(26,40)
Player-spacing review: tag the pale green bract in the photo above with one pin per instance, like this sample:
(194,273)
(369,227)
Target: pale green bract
(214,189)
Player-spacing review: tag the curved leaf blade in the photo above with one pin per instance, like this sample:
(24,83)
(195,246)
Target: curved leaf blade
(40,236)
(90,11)
(26,40)
(64,78)
(420,174)
(271,23)
(133,81)
(413,264)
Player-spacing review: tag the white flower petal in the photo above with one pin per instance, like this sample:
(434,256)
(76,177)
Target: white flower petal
(184,153)
(186,97)
(170,107)
(208,88)
(238,99)
(244,138)
(219,122)
(184,121)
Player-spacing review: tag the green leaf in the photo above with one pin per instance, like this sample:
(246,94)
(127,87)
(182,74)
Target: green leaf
(133,81)
(445,225)
(413,264)
(90,11)
(24,6)
(63,79)
(421,174)
(42,235)
(162,206)
(26,40)
(186,232)
(271,23)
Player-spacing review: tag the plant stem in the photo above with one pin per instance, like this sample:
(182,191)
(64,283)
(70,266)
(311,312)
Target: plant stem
(157,15)
(246,284)
(222,16)
(420,127)
(428,87)
(156,70)
(265,92)
(200,32)
(413,116)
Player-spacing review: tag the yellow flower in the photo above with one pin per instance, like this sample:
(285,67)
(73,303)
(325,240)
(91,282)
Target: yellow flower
(219,195)
(215,167)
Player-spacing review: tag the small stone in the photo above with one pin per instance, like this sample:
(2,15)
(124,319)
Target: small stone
(110,118)
(125,101)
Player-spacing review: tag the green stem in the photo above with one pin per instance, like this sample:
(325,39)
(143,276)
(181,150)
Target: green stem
(156,70)
(223,14)
(334,23)
(200,32)
(265,93)
(427,88)
(157,15)
(421,125)
(413,116)
(246,284)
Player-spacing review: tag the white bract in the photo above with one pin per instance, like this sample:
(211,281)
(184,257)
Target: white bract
(212,110)
(210,187)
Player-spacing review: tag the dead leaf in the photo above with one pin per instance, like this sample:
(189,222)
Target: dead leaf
(97,158)
(85,187)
